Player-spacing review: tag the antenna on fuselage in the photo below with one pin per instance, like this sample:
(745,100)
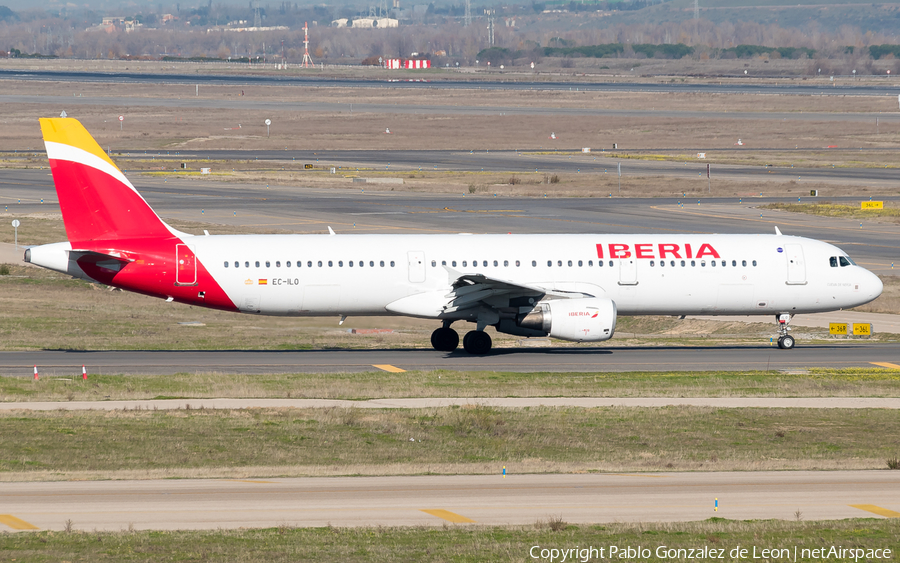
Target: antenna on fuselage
(331,231)
(777,231)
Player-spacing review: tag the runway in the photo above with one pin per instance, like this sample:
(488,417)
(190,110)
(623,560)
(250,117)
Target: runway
(454,81)
(437,500)
(872,244)
(601,359)
(276,107)
(565,161)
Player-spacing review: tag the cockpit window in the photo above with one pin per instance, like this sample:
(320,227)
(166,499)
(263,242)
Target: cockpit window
(833,261)
(845,261)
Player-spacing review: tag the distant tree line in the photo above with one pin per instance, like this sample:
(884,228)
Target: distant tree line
(881,51)
(17,54)
(679,50)
(666,51)
(594,5)
(748,51)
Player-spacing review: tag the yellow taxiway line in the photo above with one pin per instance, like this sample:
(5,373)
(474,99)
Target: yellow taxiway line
(885,365)
(388,367)
(16,523)
(447,515)
(877,510)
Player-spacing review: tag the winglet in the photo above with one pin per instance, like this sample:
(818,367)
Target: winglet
(777,231)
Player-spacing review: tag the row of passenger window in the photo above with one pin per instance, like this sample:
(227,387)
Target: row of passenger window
(590,263)
(309,264)
(484,263)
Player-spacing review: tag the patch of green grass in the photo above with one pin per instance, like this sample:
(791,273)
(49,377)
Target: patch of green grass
(442,440)
(857,382)
(459,544)
(828,209)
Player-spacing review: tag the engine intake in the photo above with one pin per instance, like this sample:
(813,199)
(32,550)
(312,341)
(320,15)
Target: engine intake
(590,319)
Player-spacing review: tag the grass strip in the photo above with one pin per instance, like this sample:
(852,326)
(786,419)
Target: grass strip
(863,382)
(451,543)
(346,441)
(828,209)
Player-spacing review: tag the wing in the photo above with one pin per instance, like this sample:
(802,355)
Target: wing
(477,295)
(478,290)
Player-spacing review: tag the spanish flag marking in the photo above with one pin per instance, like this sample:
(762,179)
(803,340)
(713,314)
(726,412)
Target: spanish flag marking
(263,282)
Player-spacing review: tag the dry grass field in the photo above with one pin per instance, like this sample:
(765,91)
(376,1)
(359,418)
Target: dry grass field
(377,384)
(432,118)
(459,544)
(267,442)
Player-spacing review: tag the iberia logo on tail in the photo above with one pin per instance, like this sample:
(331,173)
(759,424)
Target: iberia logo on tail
(97,200)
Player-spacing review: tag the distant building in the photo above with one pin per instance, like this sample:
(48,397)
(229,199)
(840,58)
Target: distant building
(365,23)
(392,64)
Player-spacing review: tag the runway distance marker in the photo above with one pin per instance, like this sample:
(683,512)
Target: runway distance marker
(388,367)
(447,515)
(16,523)
(877,510)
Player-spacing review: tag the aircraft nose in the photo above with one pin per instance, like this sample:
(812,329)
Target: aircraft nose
(874,286)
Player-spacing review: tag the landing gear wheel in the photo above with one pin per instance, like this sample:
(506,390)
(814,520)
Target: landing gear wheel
(444,339)
(477,342)
(786,342)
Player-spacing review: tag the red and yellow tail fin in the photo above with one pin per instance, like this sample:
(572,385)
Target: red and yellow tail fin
(98,202)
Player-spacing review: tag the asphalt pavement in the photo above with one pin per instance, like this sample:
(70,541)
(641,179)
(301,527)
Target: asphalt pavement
(186,504)
(603,359)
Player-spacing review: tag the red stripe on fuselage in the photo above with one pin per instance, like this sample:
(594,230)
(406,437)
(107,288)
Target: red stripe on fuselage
(149,268)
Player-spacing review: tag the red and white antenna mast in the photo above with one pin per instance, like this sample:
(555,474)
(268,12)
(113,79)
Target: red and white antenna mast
(307,60)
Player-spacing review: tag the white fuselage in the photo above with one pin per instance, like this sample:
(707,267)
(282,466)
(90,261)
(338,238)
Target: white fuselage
(308,275)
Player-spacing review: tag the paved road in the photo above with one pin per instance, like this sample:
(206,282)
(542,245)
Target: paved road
(435,500)
(575,359)
(453,82)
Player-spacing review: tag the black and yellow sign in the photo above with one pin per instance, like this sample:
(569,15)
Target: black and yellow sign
(308,166)
(872,205)
(838,328)
(862,329)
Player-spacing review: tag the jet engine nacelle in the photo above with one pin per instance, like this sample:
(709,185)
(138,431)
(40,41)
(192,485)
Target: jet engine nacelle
(589,319)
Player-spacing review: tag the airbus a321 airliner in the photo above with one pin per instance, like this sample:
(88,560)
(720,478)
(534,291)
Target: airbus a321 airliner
(570,287)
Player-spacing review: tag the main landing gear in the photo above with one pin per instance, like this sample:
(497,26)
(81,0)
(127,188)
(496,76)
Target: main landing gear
(444,339)
(785,340)
(475,342)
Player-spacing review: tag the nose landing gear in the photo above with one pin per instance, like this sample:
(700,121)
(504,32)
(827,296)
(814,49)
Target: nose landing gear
(785,340)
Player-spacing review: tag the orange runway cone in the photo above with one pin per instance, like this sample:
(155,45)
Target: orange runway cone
(83,373)
(36,376)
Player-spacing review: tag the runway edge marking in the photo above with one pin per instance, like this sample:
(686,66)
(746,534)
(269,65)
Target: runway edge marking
(877,510)
(447,515)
